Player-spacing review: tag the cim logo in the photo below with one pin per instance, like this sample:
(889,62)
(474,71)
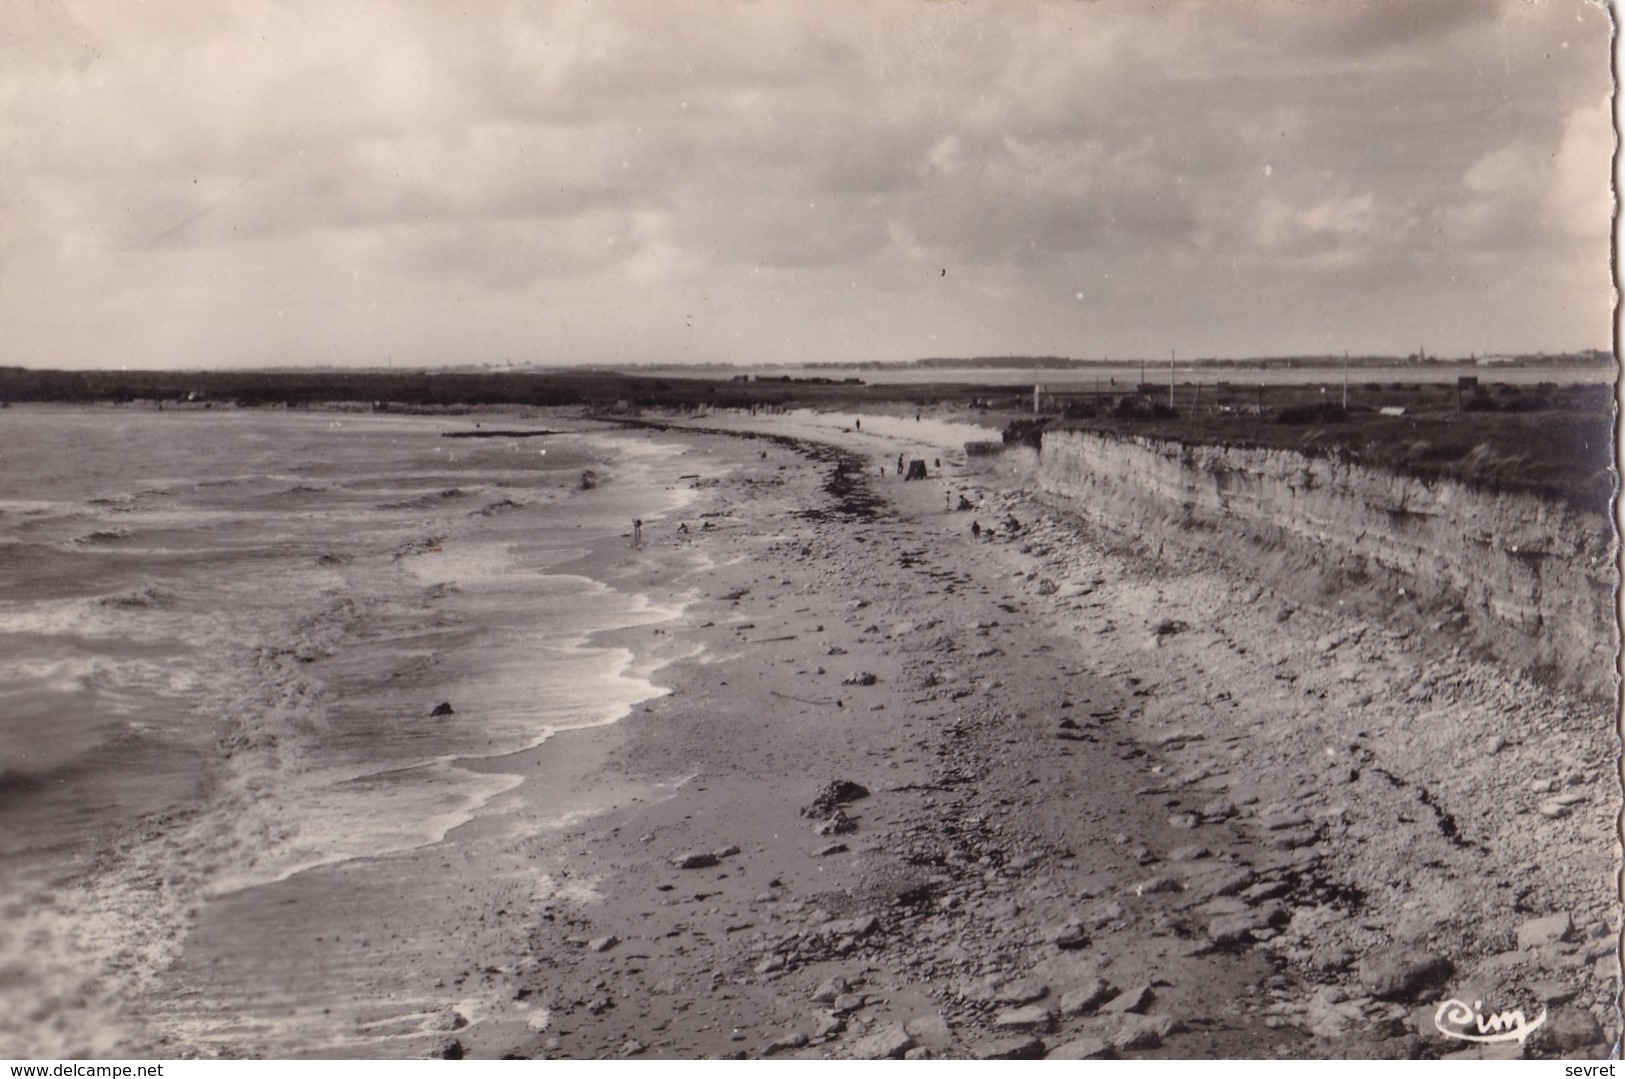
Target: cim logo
(1455,1019)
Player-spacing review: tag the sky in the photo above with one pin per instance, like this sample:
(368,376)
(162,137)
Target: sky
(192,183)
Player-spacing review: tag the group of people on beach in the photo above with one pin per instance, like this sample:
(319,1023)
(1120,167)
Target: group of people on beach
(1011,525)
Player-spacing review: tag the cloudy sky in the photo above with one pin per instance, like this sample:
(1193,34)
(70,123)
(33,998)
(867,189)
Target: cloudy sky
(192,183)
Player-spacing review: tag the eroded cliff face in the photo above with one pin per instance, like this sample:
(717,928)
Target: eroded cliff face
(1531,581)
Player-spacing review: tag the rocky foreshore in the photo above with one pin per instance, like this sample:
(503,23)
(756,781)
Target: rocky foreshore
(1022,791)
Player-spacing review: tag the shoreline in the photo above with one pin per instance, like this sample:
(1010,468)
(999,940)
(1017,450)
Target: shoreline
(944,911)
(1083,836)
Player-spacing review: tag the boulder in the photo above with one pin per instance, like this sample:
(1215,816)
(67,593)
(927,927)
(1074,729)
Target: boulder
(1568,1029)
(1134,999)
(1400,973)
(1017,1047)
(1068,938)
(1552,929)
(882,1043)
(1138,1033)
(1081,1049)
(443,709)
(860,926)
(1085,998)
(830,989)
(1031,1019)
(792,1040)
(1232,928)
(836,793)
(1021,991)
(932,1031)
(699,859)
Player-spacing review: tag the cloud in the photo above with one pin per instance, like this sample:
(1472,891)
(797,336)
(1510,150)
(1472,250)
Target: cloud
(808,169)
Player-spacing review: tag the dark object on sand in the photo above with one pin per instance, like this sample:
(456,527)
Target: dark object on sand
(505,433)
(836,794)
(916,470)
(701,859)
(452,1051)
(443,709)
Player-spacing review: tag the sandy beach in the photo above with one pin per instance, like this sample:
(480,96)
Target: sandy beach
(913,791)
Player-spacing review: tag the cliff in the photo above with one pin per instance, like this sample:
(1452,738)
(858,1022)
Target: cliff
(1529,581)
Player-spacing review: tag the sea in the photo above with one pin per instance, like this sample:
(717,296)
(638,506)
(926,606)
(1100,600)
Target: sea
(224,636)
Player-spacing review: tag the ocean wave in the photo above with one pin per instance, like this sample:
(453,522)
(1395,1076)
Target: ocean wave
(428,500)
(140,598)
(101,536)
